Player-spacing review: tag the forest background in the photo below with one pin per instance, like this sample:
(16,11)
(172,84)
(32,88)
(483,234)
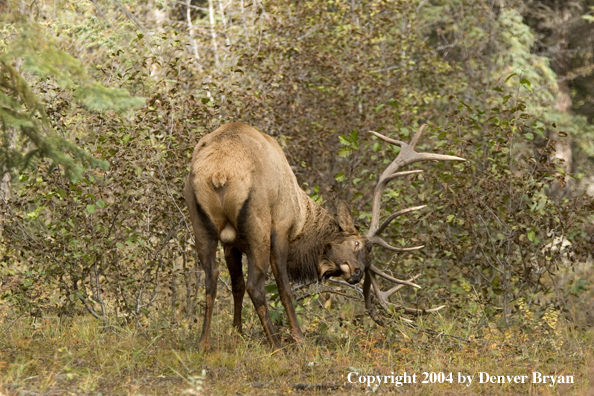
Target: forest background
(103,101)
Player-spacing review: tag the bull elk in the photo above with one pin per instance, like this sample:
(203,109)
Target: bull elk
(241,191)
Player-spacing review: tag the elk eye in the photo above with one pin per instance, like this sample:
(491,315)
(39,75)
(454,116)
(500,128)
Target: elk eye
(357,243)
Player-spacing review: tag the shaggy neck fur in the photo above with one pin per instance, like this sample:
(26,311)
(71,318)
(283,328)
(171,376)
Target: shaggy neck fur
(306,250)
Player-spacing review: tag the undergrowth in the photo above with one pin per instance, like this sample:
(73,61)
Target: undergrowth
(82,356)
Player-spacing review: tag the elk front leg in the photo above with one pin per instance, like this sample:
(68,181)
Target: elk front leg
(280,249)
(233,260)
(207,255)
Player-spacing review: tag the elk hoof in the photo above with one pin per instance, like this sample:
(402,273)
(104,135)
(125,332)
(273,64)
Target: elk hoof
(204,345)
(299,338)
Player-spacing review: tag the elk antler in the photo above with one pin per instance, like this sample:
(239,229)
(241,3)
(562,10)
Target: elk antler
(407,156)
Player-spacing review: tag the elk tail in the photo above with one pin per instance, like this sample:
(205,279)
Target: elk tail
(220,184)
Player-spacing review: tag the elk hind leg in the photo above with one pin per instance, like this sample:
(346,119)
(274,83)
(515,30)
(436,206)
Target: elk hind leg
(207,255)
(258,262)
(206,238)
(233,260)
(253,227)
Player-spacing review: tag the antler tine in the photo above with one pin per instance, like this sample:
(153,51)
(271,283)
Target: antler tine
(377,271)
(417,136)
(383,299)
(393,290)
(375,238)
(378,292)
(387,139)
(379,241)
(398,174)
(417,311)
(394,215)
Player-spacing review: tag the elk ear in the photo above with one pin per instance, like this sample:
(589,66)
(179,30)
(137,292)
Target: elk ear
(345,220)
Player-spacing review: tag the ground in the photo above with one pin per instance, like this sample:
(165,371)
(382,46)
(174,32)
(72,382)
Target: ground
(81,356)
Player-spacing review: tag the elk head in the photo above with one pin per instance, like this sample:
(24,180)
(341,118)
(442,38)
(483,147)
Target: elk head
(346,256)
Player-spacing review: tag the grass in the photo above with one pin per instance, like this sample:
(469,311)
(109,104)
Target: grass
(79,356)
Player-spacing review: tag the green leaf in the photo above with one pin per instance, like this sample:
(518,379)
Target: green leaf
(530,236)
(526,84)
(345,152)
(91,209)
(355,139)
(510,76)
(529,136)
(354,136)
(339,177)
(101,204)
(345,141)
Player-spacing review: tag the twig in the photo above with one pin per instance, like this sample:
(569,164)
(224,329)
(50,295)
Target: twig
(190,5)
(91,310)
(243,22)
(224,20)
(441,333)
(317,386)
(101,13)
(133,18)
(212,31)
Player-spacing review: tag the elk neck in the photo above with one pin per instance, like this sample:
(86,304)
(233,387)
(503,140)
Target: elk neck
(306,248)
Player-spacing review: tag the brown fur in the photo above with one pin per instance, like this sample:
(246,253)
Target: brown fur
(241,190)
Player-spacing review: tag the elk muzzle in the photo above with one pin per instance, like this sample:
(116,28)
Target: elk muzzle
(351,272)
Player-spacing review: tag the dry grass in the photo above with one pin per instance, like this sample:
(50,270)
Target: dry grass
(80,357)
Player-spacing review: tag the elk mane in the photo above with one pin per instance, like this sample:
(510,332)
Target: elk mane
(306,250)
